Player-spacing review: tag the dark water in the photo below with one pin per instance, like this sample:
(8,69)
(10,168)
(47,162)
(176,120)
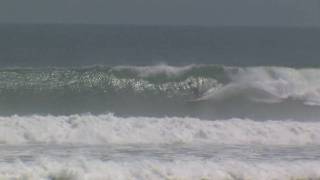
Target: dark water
(78,45)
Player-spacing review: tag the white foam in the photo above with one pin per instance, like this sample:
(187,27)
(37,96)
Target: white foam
(107,128)
(271,85)
(84,169)
(147,71)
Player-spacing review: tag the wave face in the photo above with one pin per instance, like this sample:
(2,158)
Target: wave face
(194,90)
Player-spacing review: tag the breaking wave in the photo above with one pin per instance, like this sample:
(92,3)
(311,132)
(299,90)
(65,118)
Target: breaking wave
(106,129)
(194,90)
(271,85)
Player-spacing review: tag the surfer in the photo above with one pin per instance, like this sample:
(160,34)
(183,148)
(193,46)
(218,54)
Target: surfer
(195,90)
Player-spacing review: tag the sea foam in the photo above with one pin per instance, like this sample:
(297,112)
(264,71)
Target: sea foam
(83,169)
(107,128)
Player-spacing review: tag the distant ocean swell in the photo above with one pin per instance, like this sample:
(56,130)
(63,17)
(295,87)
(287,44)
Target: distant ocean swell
(193,90)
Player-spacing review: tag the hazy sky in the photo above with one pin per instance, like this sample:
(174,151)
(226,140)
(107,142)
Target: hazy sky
(173,12)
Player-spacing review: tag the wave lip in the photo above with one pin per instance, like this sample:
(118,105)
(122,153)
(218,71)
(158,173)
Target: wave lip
(110,129)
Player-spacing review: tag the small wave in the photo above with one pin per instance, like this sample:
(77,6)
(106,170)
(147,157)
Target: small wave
(106,129)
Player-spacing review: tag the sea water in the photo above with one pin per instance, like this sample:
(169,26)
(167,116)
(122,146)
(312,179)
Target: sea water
(91,102)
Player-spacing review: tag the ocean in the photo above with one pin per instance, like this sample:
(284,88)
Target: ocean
(153,102)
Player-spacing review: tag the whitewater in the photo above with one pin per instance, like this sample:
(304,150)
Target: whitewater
(104,129)
(160,122)
(110,147)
